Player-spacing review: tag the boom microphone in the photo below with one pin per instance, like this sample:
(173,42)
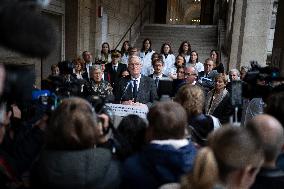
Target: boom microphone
(25,30)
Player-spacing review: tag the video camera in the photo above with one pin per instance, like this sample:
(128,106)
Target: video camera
(18,83)
(64,85)
(259,81)
(26,31)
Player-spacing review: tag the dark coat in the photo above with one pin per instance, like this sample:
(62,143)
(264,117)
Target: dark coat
(224,109)
(91,168)
(156,165)
(151,75)
(220,68)
(103,90)
(269,178)
(85,73)
(114,76)
(147,91)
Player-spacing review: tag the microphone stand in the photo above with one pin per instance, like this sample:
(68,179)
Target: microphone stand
(124,91)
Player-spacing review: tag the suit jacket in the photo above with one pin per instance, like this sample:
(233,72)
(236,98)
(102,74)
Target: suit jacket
(147,92)
(207,82)
(151,75)
(114,76)
(85,73)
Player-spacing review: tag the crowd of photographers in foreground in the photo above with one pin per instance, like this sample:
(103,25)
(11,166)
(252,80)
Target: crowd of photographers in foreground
(66,138)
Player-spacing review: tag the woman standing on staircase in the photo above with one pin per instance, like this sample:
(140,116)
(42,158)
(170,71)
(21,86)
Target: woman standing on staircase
(193,62)
(145,55)
(105,55)
(215,56)
(168,58)
(185,50)
(125,52)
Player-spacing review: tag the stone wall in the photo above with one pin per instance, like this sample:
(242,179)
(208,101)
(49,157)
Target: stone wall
(249,23)
(255,37)
(93,30)
(278,45)
(118,15)
(80,28)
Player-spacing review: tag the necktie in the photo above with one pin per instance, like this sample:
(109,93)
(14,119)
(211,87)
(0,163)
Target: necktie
(114,68)
(157,81)
(135,90)
(89,66)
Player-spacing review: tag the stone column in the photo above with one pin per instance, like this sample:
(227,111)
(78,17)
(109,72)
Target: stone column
(278,43)
(71,29)
(87,26)
(250,27)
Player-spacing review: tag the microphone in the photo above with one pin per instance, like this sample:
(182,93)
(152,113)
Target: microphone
(25,30)
(124,90)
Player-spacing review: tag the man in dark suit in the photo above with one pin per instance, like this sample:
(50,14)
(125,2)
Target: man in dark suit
(114,69)
(163,82)
(206,77)
(136,89)
(87,56)
(158,65)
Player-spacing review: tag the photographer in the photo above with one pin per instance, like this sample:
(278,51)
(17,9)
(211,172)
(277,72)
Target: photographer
(258,94)
(65,85)
(27,32)
(71,156)
(20,142)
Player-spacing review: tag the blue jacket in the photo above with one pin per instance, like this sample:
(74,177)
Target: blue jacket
(156,165)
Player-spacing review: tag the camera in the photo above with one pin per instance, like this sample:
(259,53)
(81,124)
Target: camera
(18,83)
(65,67)
(258,81)
(64,85)
(98,103)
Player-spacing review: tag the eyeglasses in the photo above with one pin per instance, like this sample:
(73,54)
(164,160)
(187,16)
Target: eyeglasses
(133,65)
(189,74)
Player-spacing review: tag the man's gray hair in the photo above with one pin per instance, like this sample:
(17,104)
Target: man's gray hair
(134,56)
(235,70)
(95,67)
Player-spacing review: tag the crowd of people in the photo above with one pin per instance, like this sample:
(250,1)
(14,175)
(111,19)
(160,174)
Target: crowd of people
(188,140)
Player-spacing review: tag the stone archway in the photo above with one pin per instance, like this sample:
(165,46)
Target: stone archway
(192,13)
(185,12)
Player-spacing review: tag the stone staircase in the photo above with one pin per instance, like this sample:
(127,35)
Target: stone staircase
(202,38)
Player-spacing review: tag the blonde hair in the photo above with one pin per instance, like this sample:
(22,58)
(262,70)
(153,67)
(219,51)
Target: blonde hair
(230,148)
(192,98)
(205,171)
(223,77)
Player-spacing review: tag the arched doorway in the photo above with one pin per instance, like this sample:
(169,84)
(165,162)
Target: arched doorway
(185,12)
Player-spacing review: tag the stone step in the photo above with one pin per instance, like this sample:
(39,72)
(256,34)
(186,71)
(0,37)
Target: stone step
(202,38)
(180,37)
(179,34)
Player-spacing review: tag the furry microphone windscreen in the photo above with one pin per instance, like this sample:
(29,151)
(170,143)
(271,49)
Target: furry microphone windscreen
(25,30)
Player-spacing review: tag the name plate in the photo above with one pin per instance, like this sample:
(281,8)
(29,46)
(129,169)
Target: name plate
(124,110)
